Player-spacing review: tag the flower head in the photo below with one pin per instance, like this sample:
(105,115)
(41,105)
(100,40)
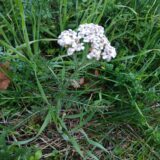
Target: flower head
(92,34)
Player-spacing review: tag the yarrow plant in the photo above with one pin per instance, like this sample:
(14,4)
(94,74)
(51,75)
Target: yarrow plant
(92,34)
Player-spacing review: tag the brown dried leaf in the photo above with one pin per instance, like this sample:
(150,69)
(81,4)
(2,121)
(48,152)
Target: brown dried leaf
(81,81)
(96,72)
(4,80)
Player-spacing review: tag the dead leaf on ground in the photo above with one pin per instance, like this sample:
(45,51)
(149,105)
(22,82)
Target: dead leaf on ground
(96,72)
(4,80)
(82,81)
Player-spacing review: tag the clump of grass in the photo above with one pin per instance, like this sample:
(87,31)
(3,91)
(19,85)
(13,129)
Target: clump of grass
(115,112)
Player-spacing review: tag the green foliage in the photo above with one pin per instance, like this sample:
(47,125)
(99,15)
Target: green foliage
(113,115)
(12,152)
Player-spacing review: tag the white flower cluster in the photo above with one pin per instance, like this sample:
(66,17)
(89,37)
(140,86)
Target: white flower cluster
(88,33)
